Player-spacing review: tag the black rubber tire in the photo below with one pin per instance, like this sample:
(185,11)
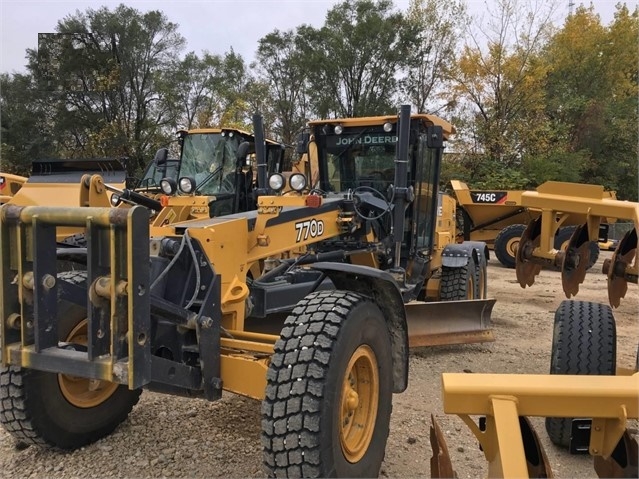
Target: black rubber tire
(480,279)
(78,239)
(563,235)
(456,283)
(503,238)
(300,413)
(584,342)
(34,410)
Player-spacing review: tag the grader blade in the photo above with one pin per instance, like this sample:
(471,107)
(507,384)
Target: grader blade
(575,261)
(449,322)
(440,464)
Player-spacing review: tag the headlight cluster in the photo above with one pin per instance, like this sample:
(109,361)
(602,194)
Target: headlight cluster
(297,182)
(169,186)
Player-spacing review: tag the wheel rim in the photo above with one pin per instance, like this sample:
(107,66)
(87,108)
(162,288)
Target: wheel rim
(511,247)
(482,282)
(470,287)
(83,392)
(359,402)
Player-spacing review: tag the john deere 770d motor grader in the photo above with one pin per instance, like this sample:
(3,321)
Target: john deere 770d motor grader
(321,338)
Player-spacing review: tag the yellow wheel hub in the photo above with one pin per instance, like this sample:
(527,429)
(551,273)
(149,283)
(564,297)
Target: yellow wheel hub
(83,392)
(358,404)
(511,246)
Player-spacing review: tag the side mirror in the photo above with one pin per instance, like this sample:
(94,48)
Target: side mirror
(242,152)
(161,156)
(302,140)
(435,137)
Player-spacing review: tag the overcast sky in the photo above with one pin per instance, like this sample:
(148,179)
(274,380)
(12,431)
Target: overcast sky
(213,25)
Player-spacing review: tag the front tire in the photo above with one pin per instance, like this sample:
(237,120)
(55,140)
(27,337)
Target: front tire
(329,390)
(461,283)
(583,342)
(59,410)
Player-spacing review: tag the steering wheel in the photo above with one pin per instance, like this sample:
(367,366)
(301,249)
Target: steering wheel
(373,200)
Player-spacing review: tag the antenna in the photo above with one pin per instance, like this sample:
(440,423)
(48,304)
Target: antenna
(570,5)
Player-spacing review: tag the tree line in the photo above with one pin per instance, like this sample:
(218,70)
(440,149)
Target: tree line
(531,100)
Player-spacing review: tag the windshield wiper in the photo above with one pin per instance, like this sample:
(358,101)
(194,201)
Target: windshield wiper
(209,177)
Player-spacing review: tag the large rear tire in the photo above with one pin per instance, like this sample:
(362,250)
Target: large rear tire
(329,390)
(584,342)
(506,244)
(59,410)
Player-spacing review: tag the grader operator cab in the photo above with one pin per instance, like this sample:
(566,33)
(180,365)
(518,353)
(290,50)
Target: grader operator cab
(586,414)
(212,176)
(321,336)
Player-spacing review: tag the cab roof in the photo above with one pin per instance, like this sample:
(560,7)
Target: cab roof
(235,130)
(427,120)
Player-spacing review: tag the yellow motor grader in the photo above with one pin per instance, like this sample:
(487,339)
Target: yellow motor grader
(220,180)
(320,337)
(585,414)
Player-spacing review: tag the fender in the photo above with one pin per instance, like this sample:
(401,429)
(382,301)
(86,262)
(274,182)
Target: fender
(382,288)
(455,255)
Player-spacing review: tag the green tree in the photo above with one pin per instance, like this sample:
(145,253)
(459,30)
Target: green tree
(353,60)
(280,65)
(24,112)
(437,27)
(592,95)
(103,70)
(194,84)
(498,83)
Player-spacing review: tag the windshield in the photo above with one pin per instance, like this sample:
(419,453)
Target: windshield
(210,159)
(155,173)
(360,158)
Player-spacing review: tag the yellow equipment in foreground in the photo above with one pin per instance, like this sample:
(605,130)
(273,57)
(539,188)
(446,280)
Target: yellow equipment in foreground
(584,343)
(320,336)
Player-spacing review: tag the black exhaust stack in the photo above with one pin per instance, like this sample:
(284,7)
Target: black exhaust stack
(260,154)
(402,194)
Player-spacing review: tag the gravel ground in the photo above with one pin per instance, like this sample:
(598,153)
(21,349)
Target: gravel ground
(176,437)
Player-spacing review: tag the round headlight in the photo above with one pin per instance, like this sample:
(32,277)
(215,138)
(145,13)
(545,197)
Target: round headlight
(339,130)
(168,186)
(276,182)
(297,182)
(115,200)
(187,185)
(388,127)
